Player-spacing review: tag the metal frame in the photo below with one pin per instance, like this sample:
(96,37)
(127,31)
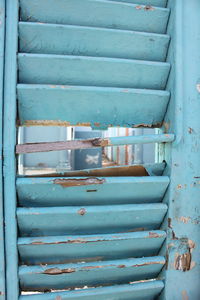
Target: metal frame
(2,258)
(183,270)
(9,141)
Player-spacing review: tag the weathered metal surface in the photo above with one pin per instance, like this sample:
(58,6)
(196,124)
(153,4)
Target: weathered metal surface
(104,14)
(183,271)
(9,141)
(43,221)
(87,41)
(106,106)
(92,274)
(132,291)
(91,71)
(63,249)
(161,3)
(93,143)
(2,256)
(60,191)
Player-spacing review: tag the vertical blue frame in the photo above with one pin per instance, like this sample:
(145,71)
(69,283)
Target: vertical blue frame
(2,258)
(9,141)
(183,157)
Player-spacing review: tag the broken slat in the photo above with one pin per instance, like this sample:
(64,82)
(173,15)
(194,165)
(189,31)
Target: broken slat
(102,14)
(41,278)
(90,41)
(41,221)
(61,191)
(91,71)
(93,143)
(133,291)
(64,249)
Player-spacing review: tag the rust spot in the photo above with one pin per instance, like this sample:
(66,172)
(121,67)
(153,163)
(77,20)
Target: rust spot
(138,7)
(78,182)
(184,220)
(183,261)
(92,267)
(58,298)
(82,211)
(150,263)
(57,271)
(97,124)
(179,186)
(185,295)
(149,7)
(190,130)
(157,125)
(121,266)
(100,142)
(198,87)
(174,236)
(153,235)
(169,222)
(166,126)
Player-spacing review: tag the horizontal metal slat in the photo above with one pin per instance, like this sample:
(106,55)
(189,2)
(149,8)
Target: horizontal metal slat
(89,219)
(92,274)
(61,191)
(64,249)
(87,41)
(161,3)
(98,107)
(92,71)
(133,291)
(97,13)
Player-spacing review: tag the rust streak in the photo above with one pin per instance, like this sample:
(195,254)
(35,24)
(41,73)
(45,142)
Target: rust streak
(78,182)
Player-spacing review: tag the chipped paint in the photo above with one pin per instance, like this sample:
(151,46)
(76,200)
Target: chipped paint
(185,295)
(82,211)
(78,182)
(57,271)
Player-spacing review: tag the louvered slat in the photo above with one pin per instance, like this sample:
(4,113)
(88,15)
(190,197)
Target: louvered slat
(35,192)
(136,291)
(91,274)
(94,105)
(64,249)
(90,219)
(98,42)
(92,71)
(161,3)
(103,14)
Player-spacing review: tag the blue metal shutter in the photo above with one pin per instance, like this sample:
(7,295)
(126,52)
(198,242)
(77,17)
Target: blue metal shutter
(97,63)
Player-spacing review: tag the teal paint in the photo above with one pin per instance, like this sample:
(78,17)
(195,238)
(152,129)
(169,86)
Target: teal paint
(91,274)
(37,221)
(88,41)
(2,256)
(104,14)
(132,291)
(182,281)
(35,192)
(92,71)
(64,249)
(9,141)
(93,102)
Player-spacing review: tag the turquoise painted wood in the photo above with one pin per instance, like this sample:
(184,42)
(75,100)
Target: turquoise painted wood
(88,41)
(64,249)
(161,3)
(2,254)
(104,14)
(41,221)
(61,191)
(182,278)
(91,274)
(9,141)
(91,71)
(133,291)
(94,103)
